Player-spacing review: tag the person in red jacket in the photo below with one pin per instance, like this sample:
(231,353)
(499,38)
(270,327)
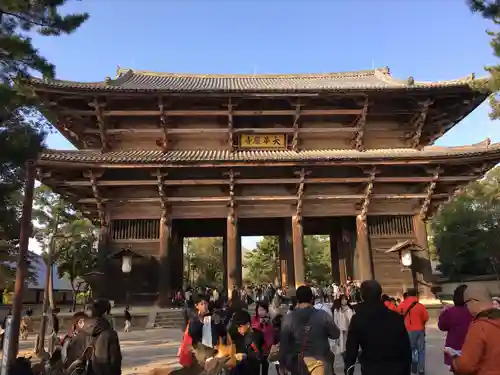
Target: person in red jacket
(416,316)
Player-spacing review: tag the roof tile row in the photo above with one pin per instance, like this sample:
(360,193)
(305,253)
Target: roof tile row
(199,156)
(130,80)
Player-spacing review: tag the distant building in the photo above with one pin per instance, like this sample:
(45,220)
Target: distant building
(33,294)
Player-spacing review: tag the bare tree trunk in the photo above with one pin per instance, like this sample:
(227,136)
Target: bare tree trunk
(51,286)
(48,296)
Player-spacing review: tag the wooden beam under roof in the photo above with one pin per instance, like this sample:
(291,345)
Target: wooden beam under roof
(204,113)
(174,131)
(266,181)
(276,198)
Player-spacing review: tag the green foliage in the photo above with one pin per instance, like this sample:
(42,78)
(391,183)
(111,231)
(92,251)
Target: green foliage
(318,264)
(490,10)
(72,237)
(467,231)
(262,264)
(22,129)
(203,260)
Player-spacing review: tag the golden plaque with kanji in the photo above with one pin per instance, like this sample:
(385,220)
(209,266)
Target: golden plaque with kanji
(262,141)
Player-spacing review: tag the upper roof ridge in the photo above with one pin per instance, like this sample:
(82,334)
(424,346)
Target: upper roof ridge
(355,73)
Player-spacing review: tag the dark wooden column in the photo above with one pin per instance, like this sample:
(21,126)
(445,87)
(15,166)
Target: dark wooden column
(286,256)
(422,263)
(224,263)
(232,248)
(298,250)
(100,290)
(362,254)
(239,262)
(176,259)
(164,287)
(335,250)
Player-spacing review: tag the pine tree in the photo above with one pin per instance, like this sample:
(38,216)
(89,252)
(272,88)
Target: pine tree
(22,128)
(490,10)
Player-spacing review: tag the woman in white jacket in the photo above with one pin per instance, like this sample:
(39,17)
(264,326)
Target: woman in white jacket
(342,314)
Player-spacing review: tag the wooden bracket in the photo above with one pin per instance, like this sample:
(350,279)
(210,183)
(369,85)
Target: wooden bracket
(230,126)
(232,203)
(357,141)
(296,118)
(418,123)
(300,191)
(365,203)
(93,176)
(163,143)
(424,210)
(99,114)
(160,179)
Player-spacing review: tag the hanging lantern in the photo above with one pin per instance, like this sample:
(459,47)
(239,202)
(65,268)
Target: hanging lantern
(406,258)
(126,264)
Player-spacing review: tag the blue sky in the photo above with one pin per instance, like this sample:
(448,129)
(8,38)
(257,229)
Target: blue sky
(427,39)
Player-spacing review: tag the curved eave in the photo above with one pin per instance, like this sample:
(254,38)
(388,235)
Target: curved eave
(130,81)
(210,158)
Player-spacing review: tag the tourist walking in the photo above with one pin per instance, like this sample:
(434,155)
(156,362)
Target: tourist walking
(261,322)
(416,317)
(342,315)
(107,357)
(455,321)
(203,327)
(380,334)
(304,345)
(481,350)
(128,319)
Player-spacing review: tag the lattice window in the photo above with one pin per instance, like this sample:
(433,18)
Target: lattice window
(141,229)
(386,226)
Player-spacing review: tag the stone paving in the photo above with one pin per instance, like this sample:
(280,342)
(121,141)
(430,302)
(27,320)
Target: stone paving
(148,349)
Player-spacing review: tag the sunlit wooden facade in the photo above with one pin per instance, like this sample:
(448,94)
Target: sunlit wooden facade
(166,156)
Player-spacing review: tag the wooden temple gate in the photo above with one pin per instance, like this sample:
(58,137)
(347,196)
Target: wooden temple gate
(165,156)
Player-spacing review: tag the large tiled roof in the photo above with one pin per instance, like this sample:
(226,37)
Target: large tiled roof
(195,157)
(128,80)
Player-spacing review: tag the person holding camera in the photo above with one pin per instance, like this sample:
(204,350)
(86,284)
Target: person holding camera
(261,322)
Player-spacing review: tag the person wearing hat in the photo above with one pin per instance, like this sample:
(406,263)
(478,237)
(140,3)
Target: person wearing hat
(480,353)
(248,342)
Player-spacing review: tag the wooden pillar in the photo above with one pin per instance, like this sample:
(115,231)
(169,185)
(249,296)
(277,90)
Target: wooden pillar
(239,265)
(362,256)
(232,248)
(224,263)
(99,289)
(422,265)
(335,249)
(298,250)
(176,260)
(286,256)
(164,287)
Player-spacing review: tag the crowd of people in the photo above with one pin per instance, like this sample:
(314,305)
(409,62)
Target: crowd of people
(304,332)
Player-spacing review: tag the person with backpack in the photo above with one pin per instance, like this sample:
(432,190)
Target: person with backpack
(416,316)
(96,345)
(304,338)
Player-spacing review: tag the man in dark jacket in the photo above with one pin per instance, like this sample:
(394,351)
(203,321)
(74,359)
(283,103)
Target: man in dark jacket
(249,342)
(97,332)
(380,334)
(304,345)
